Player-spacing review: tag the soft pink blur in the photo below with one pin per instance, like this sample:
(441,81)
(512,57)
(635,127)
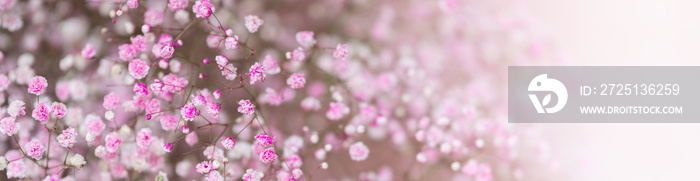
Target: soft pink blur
(624,32)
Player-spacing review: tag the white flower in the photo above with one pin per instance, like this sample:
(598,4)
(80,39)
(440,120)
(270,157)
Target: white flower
(3,163)
(77,160)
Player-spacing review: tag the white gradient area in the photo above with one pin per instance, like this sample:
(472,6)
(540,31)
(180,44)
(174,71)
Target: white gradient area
(624,32)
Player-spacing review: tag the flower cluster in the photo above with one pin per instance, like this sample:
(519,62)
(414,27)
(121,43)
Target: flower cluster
(149,90)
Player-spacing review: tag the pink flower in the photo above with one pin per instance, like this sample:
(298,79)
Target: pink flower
(185,129)
(168,147)
(297,55)
(110,101)
(177,5)
(217,94)
(252,175)
(138,69)
(337,110)
(359,151)
(16,108)
(16,169)
(202,8)
(190,139)
(41,113)
(213,41)
(268,155)
(153,17)
(132,3)
(67,138)
(221,60)
(157,87)
(271,97)
(270,65)
(173,83)
(4,82)
(341,52)
(140,89)
(257,73)
(246,107)
(127,52)
(231,42)
(228,143)
(94,124)
(296,81)
(58,110)
(88,51)
(37,85)
(188,112)
(215,176)
(252,23)
(139,42)
(168,122)
(112,142)
(167,51)
(213,109)
(203,167)
(8,126)
(34,149)
(144,138)
(229,72)
(305,38)
(264,140)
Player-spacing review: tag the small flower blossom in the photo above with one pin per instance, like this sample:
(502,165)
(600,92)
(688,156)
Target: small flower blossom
(110,101)
(132,3)
(112,142)
(246,107)
(271,97)
(127,52)
(202,8)
(341,52)
(144,138)
(37,85)
(34,149)
(153,17)
(264,140)
(359,151)
(157,87)
(167,51)
(168,122)
(77,160)
(229,72)
(221,60)
(139,42)
(94,124)
(231,42)
(42,112)
(268,155)
(188,112)
(140,89)
(67,138)
(138,69)
(270,65)
(297,55)
(185,129)
(88,51)
(213,109)
(296,81)
(3,163)
(305,38)
(217,94)
(168,147)
(252,23)
(252,175)
(310,104)
(16,169)
(257,73)
(215,176)
(190,139)
(228,143)
(16,108)
(177,5)
(203,167)
(337,110)
(58,110)
(8,126)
